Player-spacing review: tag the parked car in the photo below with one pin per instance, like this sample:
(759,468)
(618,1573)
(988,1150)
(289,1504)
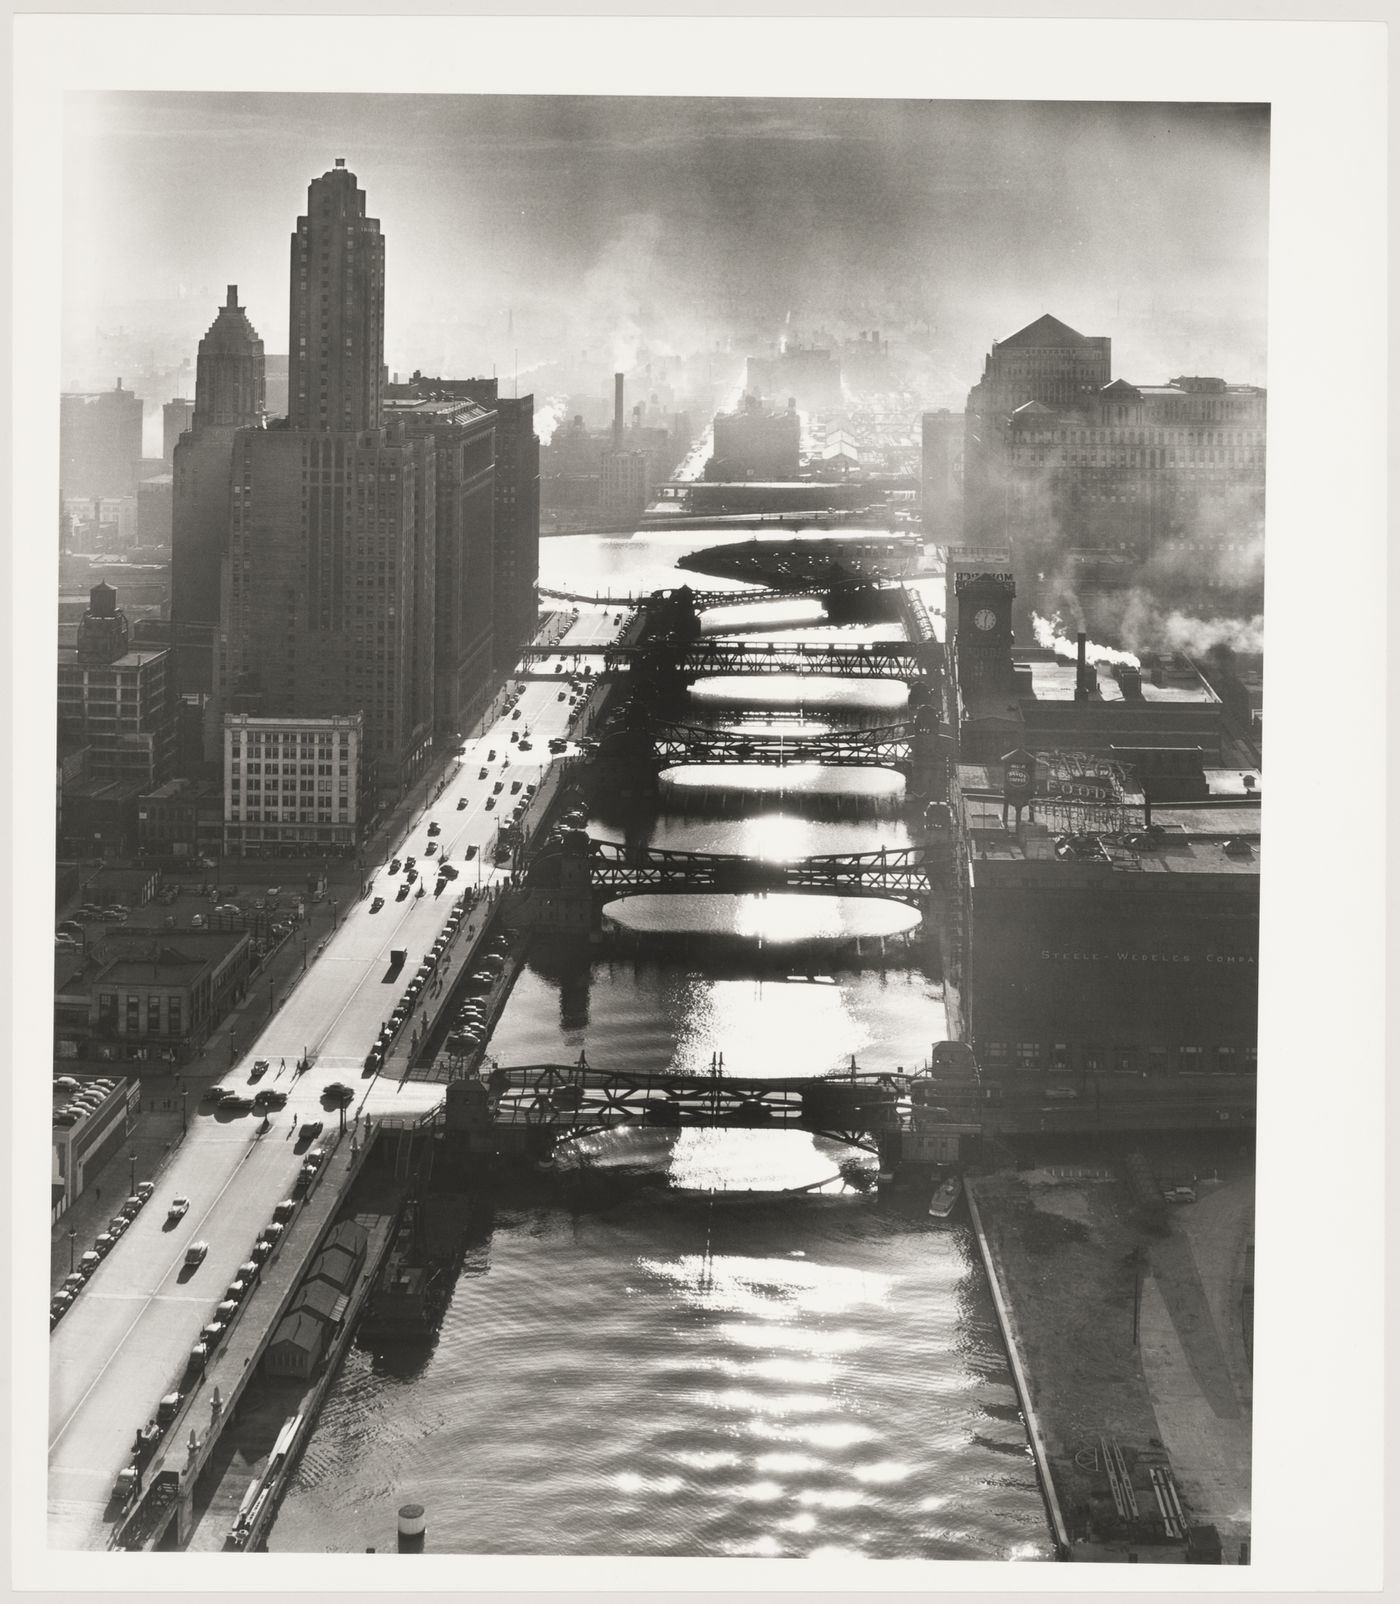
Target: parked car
(236,1105)
(133,1205)
(313,1127)
(105,1243)
(216,1093)
(284,1211)
(89,1262)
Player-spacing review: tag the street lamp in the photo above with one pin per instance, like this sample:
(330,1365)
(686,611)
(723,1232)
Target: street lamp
(132,1187)
(335,914)
(184,1111)
(72,1245)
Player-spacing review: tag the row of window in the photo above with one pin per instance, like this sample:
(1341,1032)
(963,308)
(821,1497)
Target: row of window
(1093,1059)
(320,814)
(164,1015)
(290,768)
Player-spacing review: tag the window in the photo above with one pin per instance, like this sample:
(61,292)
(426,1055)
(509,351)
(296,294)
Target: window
(133,1014)
(1192,1060)
(1027,1055)
(175,1020)
(1227,1061)
(152,1015)
(1093,1060)
(1156,1060)
(1059,1055)
(1250,1064)
(1124,1061)
(996,1052)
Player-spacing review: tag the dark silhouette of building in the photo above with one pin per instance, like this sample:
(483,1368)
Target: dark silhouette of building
(329,582)
(463,440)
(754,442)
(99,443)
(941,479)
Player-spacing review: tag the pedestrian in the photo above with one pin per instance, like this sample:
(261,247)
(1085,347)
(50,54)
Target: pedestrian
(294,1122)
(97,1193)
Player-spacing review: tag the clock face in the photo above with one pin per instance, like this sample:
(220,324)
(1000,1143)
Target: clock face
(984,618)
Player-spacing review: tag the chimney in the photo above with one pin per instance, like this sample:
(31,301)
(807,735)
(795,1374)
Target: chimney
(232,302)
(617,412)
(1131,681)
(1081,671)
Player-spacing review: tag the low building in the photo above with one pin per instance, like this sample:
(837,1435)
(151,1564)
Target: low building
(1115,949)
(293,785)
(626,484)
(322,1302)
(182,819)
(82,1145)
(296,1347)
(147,995)
(336,1267)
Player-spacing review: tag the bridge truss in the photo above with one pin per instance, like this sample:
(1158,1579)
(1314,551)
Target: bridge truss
(571,1100)
(899,874)
(888,747)
(897,660)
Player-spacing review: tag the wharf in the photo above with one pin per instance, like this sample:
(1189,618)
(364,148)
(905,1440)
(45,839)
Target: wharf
(235,1363)
(1128,1351)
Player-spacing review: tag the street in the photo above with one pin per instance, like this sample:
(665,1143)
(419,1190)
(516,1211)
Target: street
(124,1342)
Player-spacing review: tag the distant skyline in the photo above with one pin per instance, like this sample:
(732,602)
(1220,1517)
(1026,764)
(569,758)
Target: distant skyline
(551,225)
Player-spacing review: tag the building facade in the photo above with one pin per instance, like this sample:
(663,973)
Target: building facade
(229,392)
(462,435)
(115,701)
(176,417)
(755,443)
(99,443)
(293,785)
(335,369)
(941,475)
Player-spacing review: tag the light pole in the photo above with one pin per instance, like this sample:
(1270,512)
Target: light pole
(184,1111)
(231,1049)
(132,1187)
(335,914)
(72,1247)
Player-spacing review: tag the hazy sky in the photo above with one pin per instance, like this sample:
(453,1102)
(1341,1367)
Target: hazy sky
(598,220)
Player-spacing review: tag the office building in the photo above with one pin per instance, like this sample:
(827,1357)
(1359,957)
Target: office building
(229,393)
(462,435)
(116,701)
(941,476)
(293,786)
(811,378)
(1096,485)
(626,484)
(336,362)
(176,417)
(99,443)
(753,442)
(329,581)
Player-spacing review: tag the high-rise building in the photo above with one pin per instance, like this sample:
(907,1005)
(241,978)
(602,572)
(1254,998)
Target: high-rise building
(336,363)
(176,417)
(99,443)
(229,392)
(328,586)
(463,440)
(328,583)
(941,479)
(1096,485)
(755,443)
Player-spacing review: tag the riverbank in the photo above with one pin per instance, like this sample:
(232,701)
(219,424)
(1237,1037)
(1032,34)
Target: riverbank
(1130,1349)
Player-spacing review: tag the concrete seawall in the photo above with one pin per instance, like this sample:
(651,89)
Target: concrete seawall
(1034,1432)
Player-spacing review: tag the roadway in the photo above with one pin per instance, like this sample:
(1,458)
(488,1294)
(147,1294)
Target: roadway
(124,1342)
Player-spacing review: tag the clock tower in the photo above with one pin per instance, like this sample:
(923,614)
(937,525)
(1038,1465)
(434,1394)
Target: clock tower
(983,629)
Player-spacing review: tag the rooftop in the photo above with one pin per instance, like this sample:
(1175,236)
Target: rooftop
(1168,848)
(1053,678)
(1046,330)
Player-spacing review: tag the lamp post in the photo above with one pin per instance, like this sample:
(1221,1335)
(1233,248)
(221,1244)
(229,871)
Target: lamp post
(232,1052)
(335,914)
(72,1248)
(132,1187)
(184,1111)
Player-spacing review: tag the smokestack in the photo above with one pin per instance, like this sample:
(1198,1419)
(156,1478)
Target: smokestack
(232,302)
(617,412)
(1081,671)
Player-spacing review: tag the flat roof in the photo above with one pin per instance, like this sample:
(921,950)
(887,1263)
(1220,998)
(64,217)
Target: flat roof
(1053,679)
(1173,850)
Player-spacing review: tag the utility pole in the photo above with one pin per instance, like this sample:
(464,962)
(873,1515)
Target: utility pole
(72,1247)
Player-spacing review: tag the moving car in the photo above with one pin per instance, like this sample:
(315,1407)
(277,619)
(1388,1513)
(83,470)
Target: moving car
(470,853)
(338,1092)
(179,1208)
(259,1069)
(462,801)
(434,828)
(394,866)
(376,905)
(313,1127)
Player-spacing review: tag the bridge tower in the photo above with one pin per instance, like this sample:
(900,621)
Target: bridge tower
(558,892)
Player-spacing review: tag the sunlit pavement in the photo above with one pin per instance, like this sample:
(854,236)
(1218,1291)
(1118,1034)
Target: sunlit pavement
(125,1340)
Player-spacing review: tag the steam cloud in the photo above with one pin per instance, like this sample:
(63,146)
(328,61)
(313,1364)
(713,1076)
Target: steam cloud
(549,416)
(1049,637)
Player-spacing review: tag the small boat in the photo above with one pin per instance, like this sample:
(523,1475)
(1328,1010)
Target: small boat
(945,1199)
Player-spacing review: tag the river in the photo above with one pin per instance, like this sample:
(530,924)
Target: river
(682,1361)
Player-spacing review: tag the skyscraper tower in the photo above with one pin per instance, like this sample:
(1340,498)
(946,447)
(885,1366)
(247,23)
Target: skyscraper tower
(336,362)
(229,390)
(229,384)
